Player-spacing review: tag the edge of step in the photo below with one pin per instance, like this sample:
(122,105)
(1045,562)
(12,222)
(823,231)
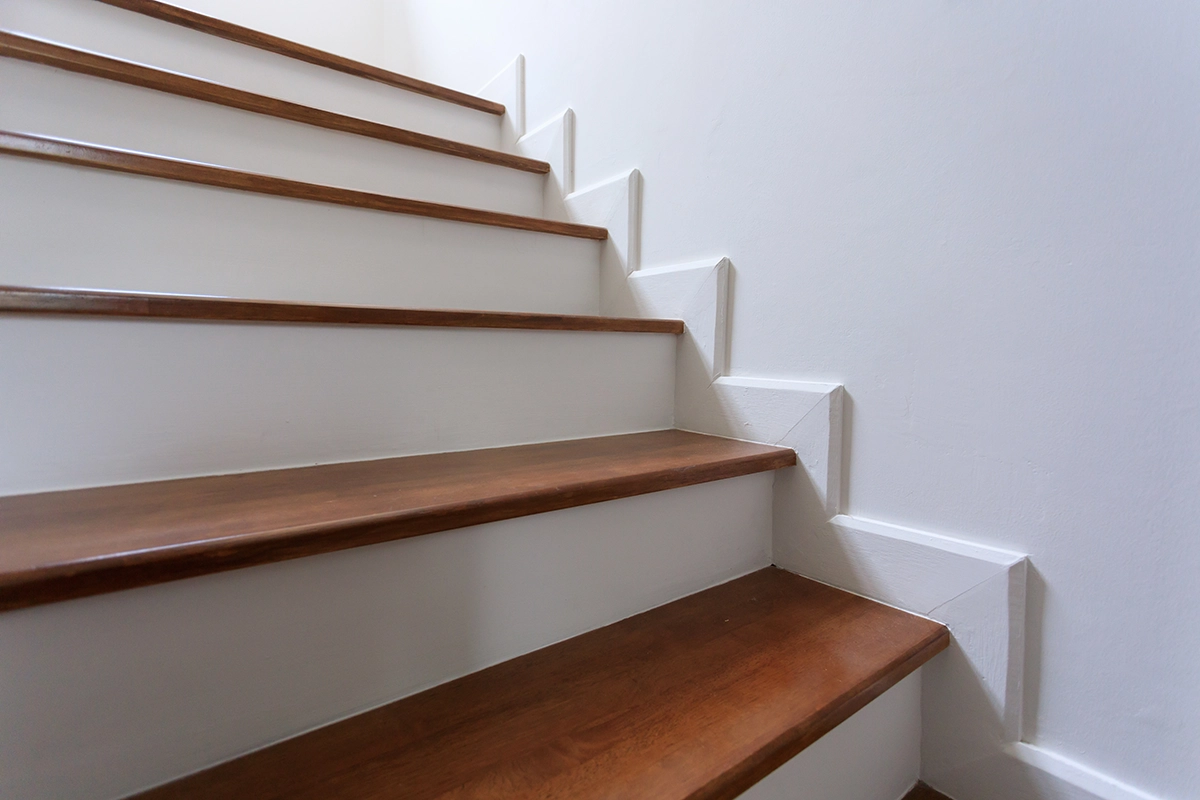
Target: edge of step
(65,151)
(76,543)
(699,698)
(102,303)
(275,44)
(40,51)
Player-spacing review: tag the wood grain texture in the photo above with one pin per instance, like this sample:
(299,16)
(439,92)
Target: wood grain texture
(36,51)
(698,699)
(924,792)
(82,302)
(59,545)
(311,55)
(67,152)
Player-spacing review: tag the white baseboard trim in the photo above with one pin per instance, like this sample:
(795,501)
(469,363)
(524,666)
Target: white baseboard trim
(1096,784)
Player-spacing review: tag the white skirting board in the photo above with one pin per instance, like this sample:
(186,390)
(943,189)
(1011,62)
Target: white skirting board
(108,695)
(118,33)
(972,697)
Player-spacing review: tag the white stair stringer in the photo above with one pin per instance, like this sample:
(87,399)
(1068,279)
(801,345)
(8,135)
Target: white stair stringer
(73,226)
(67,105)
(134,400)
(180,676)
(127,35)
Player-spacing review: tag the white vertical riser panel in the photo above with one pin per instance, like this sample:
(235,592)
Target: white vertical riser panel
(124,34)
(63,225)
(107,695)
(53,102)
(874,755)
(87,401)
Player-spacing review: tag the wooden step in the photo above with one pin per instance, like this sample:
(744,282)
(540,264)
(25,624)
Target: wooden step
(923,791)
(38,51)
(59,545)
(85,155)
(82,302)
(275,44)
(697,699)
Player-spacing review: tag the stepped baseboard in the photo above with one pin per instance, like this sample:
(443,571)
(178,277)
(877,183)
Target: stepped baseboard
(166,236)
(134,400)
(180,676)
(90,109)
(119,33)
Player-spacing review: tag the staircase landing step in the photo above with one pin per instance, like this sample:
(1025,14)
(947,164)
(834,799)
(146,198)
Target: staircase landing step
(60,545)
(697,699)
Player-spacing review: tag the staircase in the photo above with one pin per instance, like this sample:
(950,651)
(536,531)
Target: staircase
(323,474)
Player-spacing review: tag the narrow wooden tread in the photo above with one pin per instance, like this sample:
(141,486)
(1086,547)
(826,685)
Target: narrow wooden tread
(698,699)
(311,55)
(59,545)
(925,792)
(64,151)
(95,303)
(38,51)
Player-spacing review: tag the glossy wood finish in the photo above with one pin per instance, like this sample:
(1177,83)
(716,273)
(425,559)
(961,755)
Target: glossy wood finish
(698,699)
(67,152)
(82,302)
(59,545)
(274,44)
(923,792)
(37,51)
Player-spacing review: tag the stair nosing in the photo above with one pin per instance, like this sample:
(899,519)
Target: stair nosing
(84,62)
(42,579)
(129,162)
(274,44)
(184,307)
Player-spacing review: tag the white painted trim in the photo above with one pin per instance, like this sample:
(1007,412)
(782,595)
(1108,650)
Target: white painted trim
(1097,784)
(508,88)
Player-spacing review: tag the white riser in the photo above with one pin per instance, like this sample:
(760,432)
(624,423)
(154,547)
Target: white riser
(106,695)
(54,102)
(123,34)
(62,225)
(86,401)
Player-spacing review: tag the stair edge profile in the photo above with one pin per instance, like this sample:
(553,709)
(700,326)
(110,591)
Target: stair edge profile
(39,51)
(64,151)
(36,50)
(284,47)
(634,681)
(103,303)
(52,550)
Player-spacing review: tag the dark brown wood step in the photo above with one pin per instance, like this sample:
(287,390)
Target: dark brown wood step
(697,699)
(59,545)
(37,51)
(311,55)
(924,792)
(83,302)
(64,151)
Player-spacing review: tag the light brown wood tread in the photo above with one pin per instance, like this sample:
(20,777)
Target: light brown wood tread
(97,303)
(64,151)
(311,55)
(60,545)
(697,699)
(38,51)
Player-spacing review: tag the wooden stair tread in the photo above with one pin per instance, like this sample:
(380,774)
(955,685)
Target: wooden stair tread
(84,302)
(697,699)
(59,545)
(85,155)
(38,51)
(311,55)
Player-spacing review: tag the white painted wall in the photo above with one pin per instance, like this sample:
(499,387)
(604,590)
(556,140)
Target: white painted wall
(982,219)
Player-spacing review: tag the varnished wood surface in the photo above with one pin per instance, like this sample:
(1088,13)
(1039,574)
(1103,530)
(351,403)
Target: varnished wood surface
(25,48)
(67,152)
(698,699)
(82,302)
(59,545)
(923,792)
(311,55)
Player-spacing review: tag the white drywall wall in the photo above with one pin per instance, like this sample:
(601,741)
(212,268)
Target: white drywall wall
(982,220)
